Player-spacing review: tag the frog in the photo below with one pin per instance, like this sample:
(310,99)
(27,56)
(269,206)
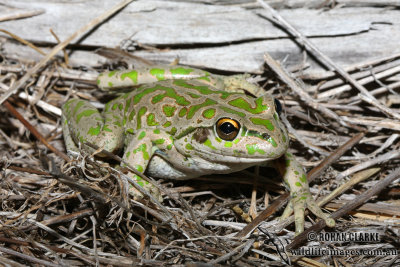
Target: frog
(177,122)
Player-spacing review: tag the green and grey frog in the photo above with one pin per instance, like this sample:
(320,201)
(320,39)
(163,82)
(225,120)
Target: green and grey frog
(181,123)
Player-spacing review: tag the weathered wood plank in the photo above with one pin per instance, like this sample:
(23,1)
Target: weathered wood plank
(236,38)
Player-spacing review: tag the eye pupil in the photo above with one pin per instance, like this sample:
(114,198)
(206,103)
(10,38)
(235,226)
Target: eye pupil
(227,128)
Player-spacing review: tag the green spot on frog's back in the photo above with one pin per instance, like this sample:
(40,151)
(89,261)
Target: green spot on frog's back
(303,178)
(78,106)
(209,113)
(151,120)
(141,112)
(182,112)
(193,109)
(169,110)
(243,104)
(202,89)
(232,111)
(172,131)
(85,113)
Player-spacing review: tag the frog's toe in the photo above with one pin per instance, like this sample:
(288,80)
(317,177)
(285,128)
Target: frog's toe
(153,191)
(299,206)
(287,212)
(313,207)
(137,195)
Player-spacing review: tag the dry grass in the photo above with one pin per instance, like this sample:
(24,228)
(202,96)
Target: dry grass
(56,210)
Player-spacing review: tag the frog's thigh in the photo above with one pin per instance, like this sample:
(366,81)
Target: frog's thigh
(86,124)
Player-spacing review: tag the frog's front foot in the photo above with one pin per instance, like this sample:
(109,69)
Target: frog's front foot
(137,195)
(298,203)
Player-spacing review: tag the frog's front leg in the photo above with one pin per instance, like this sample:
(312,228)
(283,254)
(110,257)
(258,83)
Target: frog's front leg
(301,198)
(82,122)
(138,153)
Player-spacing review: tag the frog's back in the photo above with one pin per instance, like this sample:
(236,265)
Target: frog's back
(173,105)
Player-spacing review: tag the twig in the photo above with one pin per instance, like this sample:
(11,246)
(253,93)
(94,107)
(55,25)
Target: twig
(357,178)
(225,257)
(25,42)
(366,164)
(35,132)
(27,257)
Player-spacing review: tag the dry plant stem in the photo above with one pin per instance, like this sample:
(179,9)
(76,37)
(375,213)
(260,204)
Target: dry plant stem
(34,131)
(92,24)
(29,170)
(377,122)
(66,59)
(363,73)
(382,158)
(310,177)
(357,178)
(233,252)
(27,257)
(326,60)
(284,76)
(355,99)
(21,14)
(86,258)
(371,78)
(25,42)
(378,187)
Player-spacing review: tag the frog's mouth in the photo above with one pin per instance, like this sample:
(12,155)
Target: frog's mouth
(240,158)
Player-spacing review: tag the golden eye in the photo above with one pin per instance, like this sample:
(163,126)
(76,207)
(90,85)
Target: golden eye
(227,129)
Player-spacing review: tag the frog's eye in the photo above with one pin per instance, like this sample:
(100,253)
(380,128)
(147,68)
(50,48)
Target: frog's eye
(278,106)
(227,129)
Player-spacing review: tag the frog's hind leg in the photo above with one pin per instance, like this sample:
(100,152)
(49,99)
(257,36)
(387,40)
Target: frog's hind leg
(82,122)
